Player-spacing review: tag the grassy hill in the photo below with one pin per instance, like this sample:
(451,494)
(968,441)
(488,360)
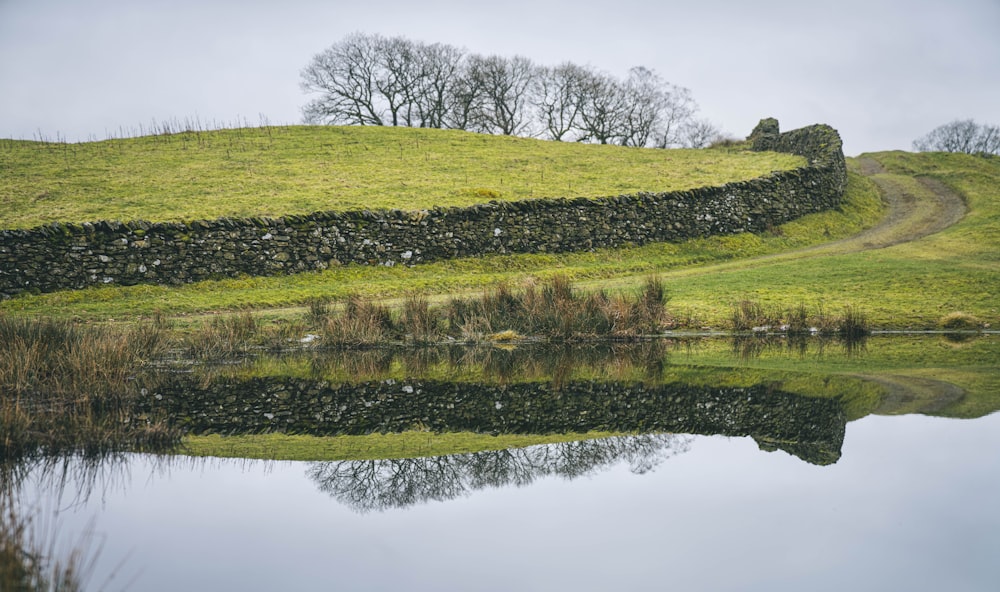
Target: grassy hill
(272,171)
(913,284)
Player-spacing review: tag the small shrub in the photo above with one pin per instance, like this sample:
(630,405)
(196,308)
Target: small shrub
(729,144)
(747,314)
(959,321)
(854,324)
(797,321)
(419,320)
(361,322)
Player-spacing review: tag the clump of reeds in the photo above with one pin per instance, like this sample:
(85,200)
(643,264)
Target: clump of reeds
(491,313)
(61,357)
(556,311)
(553,310)
(27,564)
(419,321)
(360,322)
(749,315)
(318,310)
(853,324)
(225,336)
(235,335)
(67,387)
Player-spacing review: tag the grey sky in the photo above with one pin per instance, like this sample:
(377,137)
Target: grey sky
(883,72)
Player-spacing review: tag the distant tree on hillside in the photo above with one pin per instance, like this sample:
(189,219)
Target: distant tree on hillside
(965,136)
(698,133)
(503,86)
(374,80)
(602,108)
(556,99)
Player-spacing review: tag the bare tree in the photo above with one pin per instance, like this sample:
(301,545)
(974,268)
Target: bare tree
(557,97)
(698,133)
(465,97)
(375,80)
(439,66)
(989,139)
(645,103)
(504,85)
(678,111)
(964,136)
(344,76)
(602,108)
(396,78)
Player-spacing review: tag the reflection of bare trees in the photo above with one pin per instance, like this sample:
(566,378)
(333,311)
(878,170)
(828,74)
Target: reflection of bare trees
(398,483)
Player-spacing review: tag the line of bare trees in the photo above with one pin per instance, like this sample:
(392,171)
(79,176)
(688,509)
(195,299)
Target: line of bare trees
(964,136)
(370,79)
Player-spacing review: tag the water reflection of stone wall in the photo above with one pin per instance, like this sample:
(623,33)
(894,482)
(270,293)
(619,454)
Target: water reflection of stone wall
(810,428)
(381,484)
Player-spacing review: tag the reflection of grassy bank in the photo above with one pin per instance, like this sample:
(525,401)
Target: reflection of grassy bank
(813,366)
(970,362)
(696,361)
(367,447)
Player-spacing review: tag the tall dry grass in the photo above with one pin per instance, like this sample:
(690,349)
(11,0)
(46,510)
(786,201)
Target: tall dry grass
(750,315)
(67,387)
(27,564)
(554,310)
(557,311)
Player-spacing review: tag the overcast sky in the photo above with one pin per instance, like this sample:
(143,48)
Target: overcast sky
(882,72)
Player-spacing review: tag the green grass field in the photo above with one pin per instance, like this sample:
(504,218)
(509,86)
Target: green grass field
(910,285)
(297,170)
(617,268)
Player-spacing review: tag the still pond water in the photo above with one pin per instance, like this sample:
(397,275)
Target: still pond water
(902,497)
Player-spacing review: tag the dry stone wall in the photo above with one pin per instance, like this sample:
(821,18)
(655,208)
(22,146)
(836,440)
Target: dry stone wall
(62,256)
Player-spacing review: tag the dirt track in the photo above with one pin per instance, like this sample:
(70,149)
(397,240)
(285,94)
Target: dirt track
(910,215)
